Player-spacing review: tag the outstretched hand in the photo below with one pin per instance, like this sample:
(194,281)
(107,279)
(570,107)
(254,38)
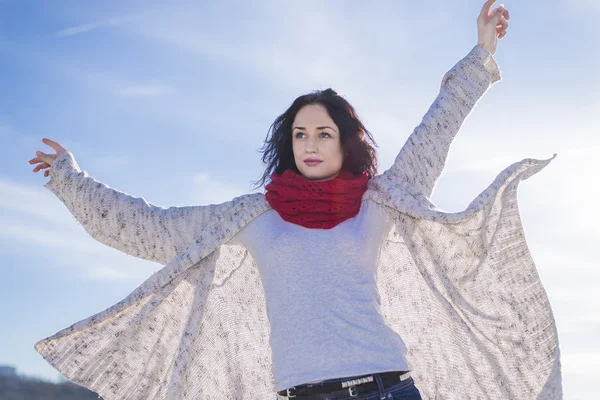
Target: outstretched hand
(492,26)
(46,160)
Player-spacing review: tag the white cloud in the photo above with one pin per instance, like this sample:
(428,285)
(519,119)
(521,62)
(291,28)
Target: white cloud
(582,364)
(107,273)
(74,30)
(35,221)
(83,28)
(283,50)
(180,107)
(24,200)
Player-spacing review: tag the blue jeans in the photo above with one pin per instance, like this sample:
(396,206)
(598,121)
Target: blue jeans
(405,390)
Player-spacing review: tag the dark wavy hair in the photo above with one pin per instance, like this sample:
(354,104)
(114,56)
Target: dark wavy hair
(359,155)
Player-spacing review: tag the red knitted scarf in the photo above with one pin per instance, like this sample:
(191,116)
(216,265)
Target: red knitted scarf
(321,204)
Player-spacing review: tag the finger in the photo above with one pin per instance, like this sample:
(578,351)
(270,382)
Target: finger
(502,23)
(48,158)
(52,144)
(47,172)
(485,10)
(497,14)
(36,160)
(41,166)
(40,156)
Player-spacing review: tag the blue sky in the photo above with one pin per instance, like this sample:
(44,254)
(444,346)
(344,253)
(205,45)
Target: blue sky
(172,102)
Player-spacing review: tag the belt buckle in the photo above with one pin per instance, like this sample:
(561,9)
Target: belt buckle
(288,392)
(352,391)
(351,385)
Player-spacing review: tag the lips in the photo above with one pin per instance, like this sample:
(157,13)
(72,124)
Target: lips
(312,162)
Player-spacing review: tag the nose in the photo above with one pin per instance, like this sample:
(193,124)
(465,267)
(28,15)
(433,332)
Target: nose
(311,145)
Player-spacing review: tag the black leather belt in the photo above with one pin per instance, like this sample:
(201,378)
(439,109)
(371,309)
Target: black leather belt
(352,386)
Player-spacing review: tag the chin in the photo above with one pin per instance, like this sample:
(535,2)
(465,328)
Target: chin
(314,176)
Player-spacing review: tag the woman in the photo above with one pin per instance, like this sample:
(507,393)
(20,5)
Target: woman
(328,339)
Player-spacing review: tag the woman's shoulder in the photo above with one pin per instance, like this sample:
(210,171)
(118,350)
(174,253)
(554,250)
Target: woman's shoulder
(375,209)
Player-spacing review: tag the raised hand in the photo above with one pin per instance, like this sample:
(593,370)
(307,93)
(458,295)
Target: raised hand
(46,160)
(491,26)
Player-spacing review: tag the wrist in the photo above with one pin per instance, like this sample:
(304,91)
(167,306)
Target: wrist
(486,46)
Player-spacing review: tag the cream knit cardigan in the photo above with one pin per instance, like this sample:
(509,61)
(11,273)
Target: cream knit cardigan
(460,288)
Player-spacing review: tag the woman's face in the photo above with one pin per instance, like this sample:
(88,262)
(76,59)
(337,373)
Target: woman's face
(315,135)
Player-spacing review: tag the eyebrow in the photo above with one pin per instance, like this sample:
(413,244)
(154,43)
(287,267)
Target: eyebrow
(318,127)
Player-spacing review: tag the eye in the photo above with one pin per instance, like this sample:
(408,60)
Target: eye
(322,133)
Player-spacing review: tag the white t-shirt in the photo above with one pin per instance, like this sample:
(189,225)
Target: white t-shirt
(322,298)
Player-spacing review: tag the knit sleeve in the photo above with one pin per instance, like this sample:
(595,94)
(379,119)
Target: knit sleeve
(422,158)
(124,222)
